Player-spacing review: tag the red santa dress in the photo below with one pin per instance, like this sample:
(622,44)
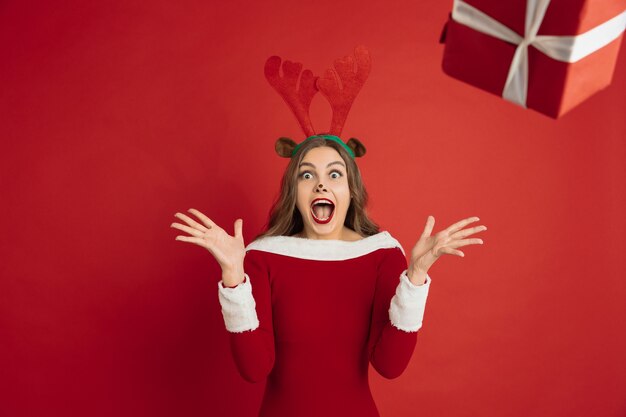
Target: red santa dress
(312,315)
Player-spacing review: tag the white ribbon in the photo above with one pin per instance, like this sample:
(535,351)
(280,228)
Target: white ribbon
(561,48)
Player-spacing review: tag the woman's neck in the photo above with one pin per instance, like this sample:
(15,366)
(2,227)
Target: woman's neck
(345,234)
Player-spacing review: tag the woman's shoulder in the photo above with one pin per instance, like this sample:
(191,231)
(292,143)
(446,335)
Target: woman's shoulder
(324,250)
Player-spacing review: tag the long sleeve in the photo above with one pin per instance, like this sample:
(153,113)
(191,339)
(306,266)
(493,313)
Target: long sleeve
(396,316)
(247,311)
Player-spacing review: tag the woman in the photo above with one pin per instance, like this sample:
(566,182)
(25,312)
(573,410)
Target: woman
(322,293)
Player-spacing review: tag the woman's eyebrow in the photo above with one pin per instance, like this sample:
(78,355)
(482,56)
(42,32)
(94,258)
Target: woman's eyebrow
(313,166)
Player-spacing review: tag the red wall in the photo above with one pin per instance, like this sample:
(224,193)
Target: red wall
(115,115)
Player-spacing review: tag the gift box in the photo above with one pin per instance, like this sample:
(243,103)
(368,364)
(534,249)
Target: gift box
(545,55)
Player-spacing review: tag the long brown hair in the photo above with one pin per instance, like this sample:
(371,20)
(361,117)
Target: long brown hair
(286,220)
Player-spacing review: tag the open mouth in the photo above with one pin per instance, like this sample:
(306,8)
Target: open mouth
(322,210)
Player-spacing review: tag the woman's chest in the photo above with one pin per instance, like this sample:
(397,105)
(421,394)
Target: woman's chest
(312,299)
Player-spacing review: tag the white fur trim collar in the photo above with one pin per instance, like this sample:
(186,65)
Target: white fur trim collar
(324,250)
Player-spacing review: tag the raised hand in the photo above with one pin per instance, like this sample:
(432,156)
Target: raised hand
(429,248)
(227,250)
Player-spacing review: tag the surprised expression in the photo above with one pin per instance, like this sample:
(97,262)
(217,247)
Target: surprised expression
(323,193)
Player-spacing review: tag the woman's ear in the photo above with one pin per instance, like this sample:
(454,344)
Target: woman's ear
(284,147)
(357,147)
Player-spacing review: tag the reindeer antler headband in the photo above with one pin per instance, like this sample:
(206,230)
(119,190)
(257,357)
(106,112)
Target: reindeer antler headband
(340,97)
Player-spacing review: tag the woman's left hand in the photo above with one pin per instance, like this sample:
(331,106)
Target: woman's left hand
(429,248)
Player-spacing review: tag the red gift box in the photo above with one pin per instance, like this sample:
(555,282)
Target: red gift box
(582,38)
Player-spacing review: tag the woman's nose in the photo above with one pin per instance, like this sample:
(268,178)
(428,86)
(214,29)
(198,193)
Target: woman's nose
(320,188)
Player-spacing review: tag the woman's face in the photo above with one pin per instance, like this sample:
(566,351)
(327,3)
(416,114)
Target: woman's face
(323,193)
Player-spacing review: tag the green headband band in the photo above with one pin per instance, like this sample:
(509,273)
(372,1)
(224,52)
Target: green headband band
(329,137)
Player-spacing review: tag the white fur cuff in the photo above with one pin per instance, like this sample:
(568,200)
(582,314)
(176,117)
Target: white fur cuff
(238,307)
(406,311)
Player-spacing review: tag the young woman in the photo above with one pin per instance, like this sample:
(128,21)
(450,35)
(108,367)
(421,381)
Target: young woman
(322,293)
(331,293)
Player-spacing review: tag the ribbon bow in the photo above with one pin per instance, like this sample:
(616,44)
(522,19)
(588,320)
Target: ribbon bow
(562,48)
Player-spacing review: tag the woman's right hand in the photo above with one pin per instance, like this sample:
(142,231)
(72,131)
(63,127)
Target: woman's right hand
(227,250)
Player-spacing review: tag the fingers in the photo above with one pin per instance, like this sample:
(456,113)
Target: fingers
(449,251)
(198,230)
(192,231)
(196,240)
(204,219)
(239,229)
(191,222)
(459,225)
(464,233)
(464,242)
(428,229)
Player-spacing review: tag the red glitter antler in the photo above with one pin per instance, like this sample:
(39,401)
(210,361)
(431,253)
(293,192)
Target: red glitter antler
(298,99)
(342,97)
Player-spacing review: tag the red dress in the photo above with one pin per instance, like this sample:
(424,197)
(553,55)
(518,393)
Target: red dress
(312,315)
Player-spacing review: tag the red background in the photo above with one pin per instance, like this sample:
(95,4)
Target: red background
(117,114)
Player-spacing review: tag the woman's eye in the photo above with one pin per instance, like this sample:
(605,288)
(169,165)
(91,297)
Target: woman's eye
(306,175)
(335,174)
